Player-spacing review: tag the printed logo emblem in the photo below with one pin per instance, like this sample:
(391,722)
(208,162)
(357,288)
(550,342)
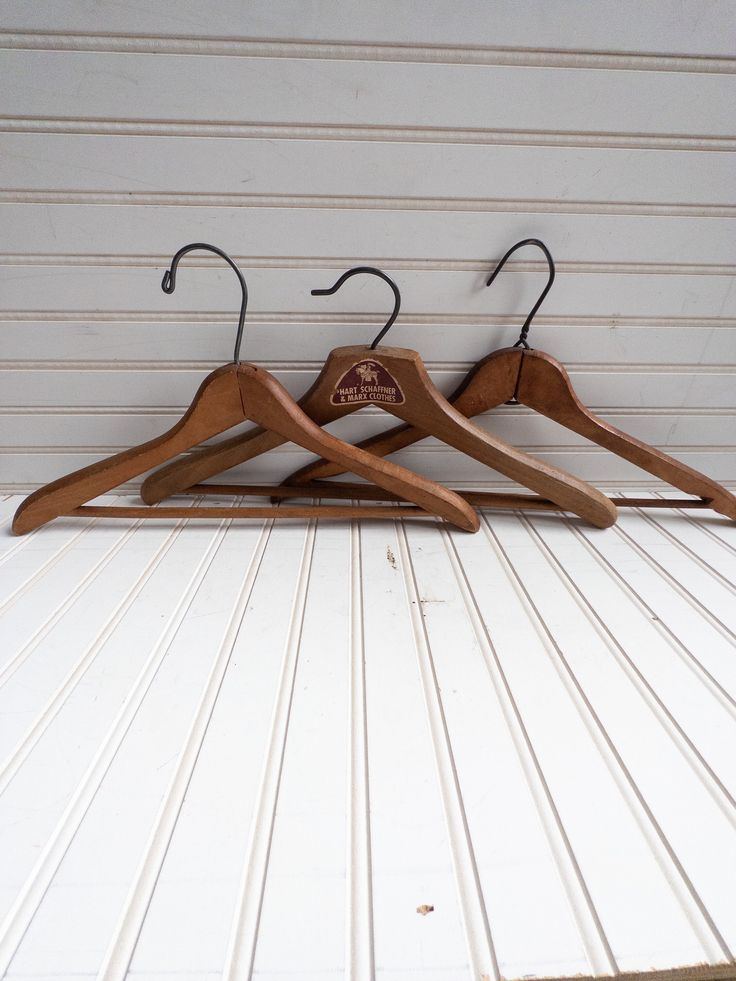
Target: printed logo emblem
(367,381)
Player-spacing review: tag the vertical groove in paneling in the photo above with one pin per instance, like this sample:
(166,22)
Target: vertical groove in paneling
(427,585)
(359,922)
(244,933)
(120,951)
(690,657)
(701,528)
(660,710)
(692,553)
(681,883)
(35,575)
(45,717)
(51,620)
(481,953)
(587,921)
(687,594)
(24,907)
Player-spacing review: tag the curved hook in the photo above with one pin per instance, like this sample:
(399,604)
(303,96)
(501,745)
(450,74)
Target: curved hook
(168,284)
(522,342)
(373,272)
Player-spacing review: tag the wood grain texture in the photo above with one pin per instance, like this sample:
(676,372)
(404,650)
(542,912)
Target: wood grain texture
(345,490)
(376,136)
(233,394)
(441,463)
(539,381)
(299,512)
(419,401)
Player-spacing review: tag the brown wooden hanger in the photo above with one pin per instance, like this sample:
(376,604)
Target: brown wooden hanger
(524,376)
(232,394)
(396,380)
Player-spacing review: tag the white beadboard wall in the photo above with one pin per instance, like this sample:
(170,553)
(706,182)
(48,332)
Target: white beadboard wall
(424,138)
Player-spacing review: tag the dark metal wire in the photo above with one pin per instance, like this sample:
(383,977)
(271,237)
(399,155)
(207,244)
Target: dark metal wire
(373,272)
(522,342)
(168,285)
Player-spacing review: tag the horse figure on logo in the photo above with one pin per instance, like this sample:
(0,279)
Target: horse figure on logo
(367,373)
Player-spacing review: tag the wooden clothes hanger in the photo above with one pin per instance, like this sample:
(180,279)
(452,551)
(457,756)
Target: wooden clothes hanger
(521,375)
(232,394)
(396,380)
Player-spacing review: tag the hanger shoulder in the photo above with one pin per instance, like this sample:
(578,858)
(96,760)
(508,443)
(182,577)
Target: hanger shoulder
(383,444)
(268,403)
(416,400)
(216,406)
(179,475)
(330,397)
(228,396)
(571,493)
(426,408)
(209,461)
(546,387)
(491,382)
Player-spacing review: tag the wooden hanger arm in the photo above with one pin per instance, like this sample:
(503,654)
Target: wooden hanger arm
(228,396)
(179,475)
(424,407)
(267,403)
(383,444)
(210,461)
(216,406)
(490,383)
(567,491)
(571,493)
(659,464)
(545,386)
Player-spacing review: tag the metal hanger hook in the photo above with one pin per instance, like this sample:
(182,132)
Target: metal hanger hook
(168,284)
(522,342)
(373,272)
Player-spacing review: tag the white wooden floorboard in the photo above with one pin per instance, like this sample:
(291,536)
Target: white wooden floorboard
(254,750)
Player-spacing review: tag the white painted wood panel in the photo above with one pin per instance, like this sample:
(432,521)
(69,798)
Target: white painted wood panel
(147,341)
(686,27)
(640,386)
(527,729)
(445,234)
(301,91)
(305,138)
(428,172)
(113,429)
(114,288)
(446,465)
